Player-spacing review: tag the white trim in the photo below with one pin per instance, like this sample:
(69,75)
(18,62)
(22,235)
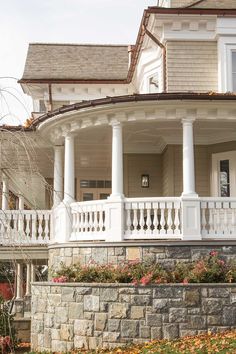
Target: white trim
(216,158)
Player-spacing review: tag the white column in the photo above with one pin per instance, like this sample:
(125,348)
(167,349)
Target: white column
(5,192)
(19,280)
(188,159)
(69,170)
(28,279)
(33,275)
(21,202)
(58,176)
(117,161)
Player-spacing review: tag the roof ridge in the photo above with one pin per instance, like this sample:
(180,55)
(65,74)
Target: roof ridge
(80,44)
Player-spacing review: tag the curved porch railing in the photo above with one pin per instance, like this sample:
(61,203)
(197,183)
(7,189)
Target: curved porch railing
(152,218)
(218,218)
(88,220)
(26,227)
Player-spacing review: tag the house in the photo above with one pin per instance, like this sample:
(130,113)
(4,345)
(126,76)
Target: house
(136,142)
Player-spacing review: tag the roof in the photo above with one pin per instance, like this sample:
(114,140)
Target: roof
(207,96)
(76,62)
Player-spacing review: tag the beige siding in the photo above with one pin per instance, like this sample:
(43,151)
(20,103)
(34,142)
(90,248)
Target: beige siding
(224,4)
(192,66)
(138,164)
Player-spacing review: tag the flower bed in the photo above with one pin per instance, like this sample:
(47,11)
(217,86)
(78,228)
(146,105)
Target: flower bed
(210,269)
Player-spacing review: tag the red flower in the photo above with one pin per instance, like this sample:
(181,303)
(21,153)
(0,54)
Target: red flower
(185,281)
(213,253)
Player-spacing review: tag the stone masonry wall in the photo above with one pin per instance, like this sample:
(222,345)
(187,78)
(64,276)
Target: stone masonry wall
(67,316)
(168,254)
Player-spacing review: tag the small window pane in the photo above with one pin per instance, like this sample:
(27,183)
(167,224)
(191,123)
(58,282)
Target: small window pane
(224,178)
(100,184)
(87,197)
(234,62)
(84,184)
(107,184)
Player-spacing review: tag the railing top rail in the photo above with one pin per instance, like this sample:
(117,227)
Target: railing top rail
(153,199)
(26,211)
(217,199)
(87,203)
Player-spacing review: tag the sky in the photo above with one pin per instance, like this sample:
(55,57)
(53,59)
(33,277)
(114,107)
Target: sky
(56,21)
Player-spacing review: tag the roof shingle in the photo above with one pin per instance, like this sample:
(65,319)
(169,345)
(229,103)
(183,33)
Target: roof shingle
(76,62)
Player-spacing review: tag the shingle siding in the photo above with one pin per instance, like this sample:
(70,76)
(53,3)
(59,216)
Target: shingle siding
(210,4)
(192,66)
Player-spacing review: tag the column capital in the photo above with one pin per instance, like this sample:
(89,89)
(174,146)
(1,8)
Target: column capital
(116,124)
(188,121)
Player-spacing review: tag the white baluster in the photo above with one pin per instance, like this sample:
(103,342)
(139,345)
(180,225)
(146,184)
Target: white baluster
(33,237)
(177,230)
(233,209)
(155,219)
(27,228)
(169,218)
(46,227)
(40,228)
(135,217)
(95,220)
(141,218)
(204,222)
(86,224)
(226,221)
(211,206)
(128,218)
(149,221)
(162,220)
(101,220)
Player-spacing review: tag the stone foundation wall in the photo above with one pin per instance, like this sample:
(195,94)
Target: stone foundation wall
(163,253)
(68,316)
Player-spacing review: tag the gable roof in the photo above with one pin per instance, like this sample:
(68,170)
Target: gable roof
(76,62)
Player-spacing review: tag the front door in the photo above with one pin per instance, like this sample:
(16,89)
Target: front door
(224,174)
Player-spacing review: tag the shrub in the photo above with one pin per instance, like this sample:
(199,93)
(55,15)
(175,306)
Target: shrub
(210,269)
(8,339)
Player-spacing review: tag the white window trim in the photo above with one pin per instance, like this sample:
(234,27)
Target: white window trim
(215,185)
(226,46)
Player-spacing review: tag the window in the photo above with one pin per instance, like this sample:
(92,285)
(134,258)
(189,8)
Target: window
(154,84)
(223,181)
(234,71)
(84,183)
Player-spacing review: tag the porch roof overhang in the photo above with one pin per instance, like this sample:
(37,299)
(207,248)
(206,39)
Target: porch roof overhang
(176,96)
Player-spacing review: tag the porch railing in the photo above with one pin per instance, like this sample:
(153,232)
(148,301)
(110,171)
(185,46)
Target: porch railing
(26,227)
(152,218)
(88,220)
(218,218)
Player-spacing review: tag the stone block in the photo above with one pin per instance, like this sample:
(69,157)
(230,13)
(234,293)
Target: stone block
(68,294)
(129,328)
(156,333)
(154,320)
(81,342)
(133,253)
(76,310)
(113,325)
(211,306)
(137,312)
(91,303)
(83,327)
(119,251)
(59,346)
(214,320)
(160,304)
(94,343)
(141,300)
(67,332)
(170,331)
(83,291)
(100,321)
(196,322)
(218,292)
(192,297)
(88,315)
(187,333)
(117,310)
(54,300)
(108,294)
(99,255)
(229,316)
(55,334)
(182,252)
(145,332)
(48,320)
(61,315)
(177,315)
(124,298)
(111,336)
